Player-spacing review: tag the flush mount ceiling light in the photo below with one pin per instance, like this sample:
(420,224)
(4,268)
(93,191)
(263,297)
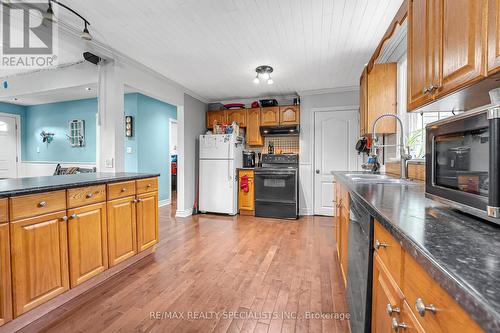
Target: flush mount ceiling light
(263,73)
(49,16)
(88,88)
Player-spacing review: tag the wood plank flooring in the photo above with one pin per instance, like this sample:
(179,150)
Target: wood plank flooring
(219,274)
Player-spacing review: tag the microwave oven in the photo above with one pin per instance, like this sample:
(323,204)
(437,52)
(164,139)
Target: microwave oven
(463,161)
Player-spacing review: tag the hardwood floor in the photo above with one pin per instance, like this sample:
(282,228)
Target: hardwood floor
(211,264)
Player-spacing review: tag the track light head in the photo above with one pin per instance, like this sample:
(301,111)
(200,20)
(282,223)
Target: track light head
(85,33)
(49,16)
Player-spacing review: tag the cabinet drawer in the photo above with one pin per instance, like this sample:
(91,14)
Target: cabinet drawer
(3,210)
(86,195)
(442,313)
(121,190)
(147,185)
(37,204)
(389,251)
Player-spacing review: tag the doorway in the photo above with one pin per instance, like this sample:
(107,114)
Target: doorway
(335,134)
(10,143)
(173,144)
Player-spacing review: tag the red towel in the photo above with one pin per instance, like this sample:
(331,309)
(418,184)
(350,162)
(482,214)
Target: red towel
(244,184)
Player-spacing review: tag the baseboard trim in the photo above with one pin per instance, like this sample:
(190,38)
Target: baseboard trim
(184,213)
(165,202)
(305,211)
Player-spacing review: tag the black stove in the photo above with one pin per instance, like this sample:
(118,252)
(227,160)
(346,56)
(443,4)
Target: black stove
(277,186)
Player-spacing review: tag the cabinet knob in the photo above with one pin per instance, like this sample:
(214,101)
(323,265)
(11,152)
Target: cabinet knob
(42,204)
(124,189)
(74,216)
(64,218)
(391,310)
(397,326)
(425,90)
(149,185)
(90,195)
(137,200)
(422,308)
(378,244)
(432,88)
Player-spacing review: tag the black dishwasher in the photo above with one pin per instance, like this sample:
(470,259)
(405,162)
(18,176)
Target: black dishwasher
(360,266)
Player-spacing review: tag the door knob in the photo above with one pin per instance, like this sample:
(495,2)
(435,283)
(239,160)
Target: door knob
(317,171)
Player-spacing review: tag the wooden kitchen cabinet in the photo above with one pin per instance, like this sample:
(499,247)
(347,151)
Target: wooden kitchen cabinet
(363,102)
(342,227)
(219,116)
(239,116)
(385,296)
(4,212)
(270,116)
(382,97)
(253,136)
(289,115)
(246,204)
(5,275)
(147,220)
(88,242)
(493,36)
(122,230)
(39,253)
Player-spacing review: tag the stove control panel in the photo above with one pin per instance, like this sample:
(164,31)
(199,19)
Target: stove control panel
(280,158)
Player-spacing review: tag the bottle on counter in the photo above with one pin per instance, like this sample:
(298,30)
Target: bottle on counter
(270,148)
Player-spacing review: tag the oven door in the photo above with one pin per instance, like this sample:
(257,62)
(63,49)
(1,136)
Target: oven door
(462,163)
(276,186)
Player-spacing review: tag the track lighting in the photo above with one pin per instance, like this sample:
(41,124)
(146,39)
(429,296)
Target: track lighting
(263,73)
(49,16)
(7,3)
(85,33)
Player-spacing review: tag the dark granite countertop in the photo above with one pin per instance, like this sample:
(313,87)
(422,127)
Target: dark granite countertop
(460,252)
(20,186)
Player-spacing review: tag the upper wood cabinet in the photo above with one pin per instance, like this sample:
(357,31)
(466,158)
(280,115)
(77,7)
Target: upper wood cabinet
(219,116)
(270,116)
(147,220)
(5,275)
(239,116)
(122,230)
(446,47)
(382,97)
(39,252)
(363,102)
(253,136)
(88,242)
(493,36)
(290,115)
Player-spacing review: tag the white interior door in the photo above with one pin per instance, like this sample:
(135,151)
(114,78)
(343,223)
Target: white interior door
(8,144)
(335,135)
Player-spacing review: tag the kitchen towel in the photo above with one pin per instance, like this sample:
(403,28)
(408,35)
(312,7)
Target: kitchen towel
(244,184)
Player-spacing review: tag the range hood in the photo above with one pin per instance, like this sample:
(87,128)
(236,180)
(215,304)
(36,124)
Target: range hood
(287,130)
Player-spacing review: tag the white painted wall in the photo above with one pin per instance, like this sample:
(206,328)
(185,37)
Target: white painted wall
(191,125)
(308,102)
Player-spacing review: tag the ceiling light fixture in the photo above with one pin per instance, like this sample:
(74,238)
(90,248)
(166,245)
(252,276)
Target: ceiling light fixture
(85,33)
(50,17)
(88,88)
(15,99)
(264,73)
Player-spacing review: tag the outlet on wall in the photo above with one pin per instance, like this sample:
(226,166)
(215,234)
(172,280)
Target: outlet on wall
(108,163)
(129,150)
(38,150)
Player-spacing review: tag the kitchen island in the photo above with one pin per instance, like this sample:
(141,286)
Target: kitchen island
(444,265)
(62,235)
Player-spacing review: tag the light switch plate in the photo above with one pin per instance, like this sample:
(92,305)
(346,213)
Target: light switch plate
(129,150)
(108,163)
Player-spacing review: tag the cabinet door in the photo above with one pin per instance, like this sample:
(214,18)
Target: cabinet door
(270,116)
(39,252)
(344,230)
(493,36)
(246,199)
(219,116)
(420,61)
(290,115)
(88,242)
(5,277)
(461,56)
(239,116)
(147,220)
(363,103)
(122,230)
(382,97)
(385,294)
(253,128)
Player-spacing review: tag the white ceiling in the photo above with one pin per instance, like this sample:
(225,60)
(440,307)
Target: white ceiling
(212,47)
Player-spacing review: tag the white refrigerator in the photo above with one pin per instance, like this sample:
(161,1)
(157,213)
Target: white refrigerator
(220,156)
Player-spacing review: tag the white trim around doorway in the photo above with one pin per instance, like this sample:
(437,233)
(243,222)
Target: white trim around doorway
(18,140)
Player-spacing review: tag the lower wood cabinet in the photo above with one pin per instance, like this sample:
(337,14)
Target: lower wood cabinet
(147,220)
(39,252)
(246,203)
(88,242)
(342,228)
(5,276)
(122,230)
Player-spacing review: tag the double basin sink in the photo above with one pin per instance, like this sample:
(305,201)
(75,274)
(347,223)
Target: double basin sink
(369,178)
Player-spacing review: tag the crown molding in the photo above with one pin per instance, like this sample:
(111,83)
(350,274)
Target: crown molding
(335,90)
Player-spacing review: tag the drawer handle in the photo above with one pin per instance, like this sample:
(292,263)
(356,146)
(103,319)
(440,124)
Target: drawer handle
(64,218)
(422,308)
(74,216)
(391,310)
(396,326)
(90,195)
(378,244)
(42,204)
(149,185)
(124,189)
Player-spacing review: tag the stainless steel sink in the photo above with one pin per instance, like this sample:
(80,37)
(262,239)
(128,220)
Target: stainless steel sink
(377,179)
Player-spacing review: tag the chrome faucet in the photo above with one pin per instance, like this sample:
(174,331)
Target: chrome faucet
(402,148)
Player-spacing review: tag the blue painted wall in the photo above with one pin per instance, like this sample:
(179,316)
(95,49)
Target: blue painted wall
(151,138)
